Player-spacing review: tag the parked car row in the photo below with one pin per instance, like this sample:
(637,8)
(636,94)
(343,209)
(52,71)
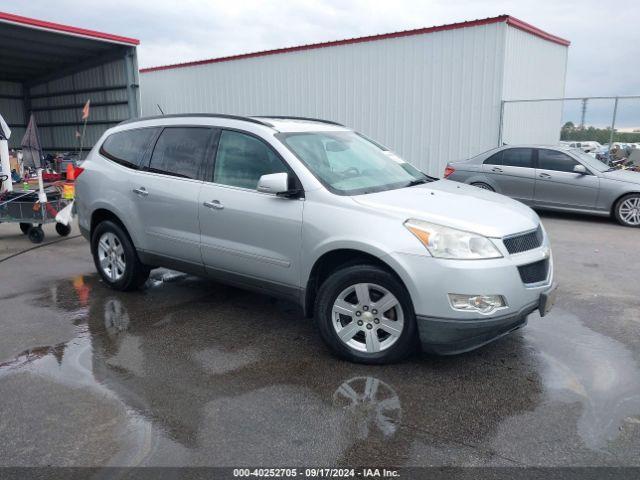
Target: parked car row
(556,178)
(585,146)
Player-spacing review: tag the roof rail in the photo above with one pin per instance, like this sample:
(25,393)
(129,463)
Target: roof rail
(287,117)
(206,115)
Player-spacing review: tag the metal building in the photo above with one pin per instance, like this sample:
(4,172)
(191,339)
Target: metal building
(52,70)
(433,94)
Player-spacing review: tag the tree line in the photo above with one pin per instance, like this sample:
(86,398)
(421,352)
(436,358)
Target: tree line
(570,132)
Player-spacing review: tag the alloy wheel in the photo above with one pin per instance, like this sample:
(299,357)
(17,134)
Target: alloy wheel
(367,317)
(111,255)
(629,211)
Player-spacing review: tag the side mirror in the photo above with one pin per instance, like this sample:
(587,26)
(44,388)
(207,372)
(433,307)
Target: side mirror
(275,183)
(580,169)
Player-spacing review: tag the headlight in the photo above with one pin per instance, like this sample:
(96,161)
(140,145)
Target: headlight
(445,242)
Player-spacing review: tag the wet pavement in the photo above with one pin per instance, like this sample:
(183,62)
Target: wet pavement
(189,372)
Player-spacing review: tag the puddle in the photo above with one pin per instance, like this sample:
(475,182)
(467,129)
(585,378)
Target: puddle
(581,365)
(371,404)
(200,370)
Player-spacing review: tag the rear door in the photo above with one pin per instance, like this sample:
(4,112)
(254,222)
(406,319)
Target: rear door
(245,232)
(128,149)
(557,185)
(512,170)
(166,192)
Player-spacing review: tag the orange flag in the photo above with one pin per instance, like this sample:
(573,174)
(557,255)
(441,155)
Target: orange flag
(85,110)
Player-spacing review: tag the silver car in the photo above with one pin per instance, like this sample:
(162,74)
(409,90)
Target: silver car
(384,257)
(554,178)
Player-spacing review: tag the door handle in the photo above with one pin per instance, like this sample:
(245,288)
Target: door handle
(141,191)
(544,175)
(213,204)
(496,169)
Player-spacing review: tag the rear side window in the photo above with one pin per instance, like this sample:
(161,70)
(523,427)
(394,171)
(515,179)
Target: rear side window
(180,151)
(517,157)
(554,160)
(495,159)
(127,148)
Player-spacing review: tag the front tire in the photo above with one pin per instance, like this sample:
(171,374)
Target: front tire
(365,315)
(116,258)
(627,210)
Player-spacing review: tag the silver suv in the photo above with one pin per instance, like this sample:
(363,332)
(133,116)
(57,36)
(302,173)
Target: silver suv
(384,257)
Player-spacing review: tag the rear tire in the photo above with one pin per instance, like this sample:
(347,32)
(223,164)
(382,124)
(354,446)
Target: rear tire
(483,186)
(25,227)
(627,210)
(368,336)
(116,258)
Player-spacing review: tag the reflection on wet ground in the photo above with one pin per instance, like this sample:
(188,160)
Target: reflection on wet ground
(189,372)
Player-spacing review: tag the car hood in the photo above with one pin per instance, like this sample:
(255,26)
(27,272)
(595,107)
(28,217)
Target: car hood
(623,176)
(456,205)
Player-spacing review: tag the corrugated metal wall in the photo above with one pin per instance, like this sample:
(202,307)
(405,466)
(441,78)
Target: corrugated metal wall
(432,98)
(534,68)
(12,110)
(57,105)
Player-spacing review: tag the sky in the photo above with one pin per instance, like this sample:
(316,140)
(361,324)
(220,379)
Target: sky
(604,56)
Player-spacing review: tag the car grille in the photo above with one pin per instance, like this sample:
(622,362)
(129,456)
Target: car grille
(534,272)
(523,242)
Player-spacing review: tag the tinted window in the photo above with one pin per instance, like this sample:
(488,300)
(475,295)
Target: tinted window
(517,157)
(242,159)
(495,159)
(128,147)
(180,151)
(554,160)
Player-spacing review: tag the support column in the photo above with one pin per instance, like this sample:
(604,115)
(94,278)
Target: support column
(130,68)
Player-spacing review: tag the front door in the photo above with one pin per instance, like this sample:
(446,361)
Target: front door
(557,185)
(248,234)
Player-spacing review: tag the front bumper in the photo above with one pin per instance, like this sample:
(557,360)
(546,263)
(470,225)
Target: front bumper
(444,330)
(447,336)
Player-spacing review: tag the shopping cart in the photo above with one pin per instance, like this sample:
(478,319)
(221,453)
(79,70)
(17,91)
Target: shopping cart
(25,208)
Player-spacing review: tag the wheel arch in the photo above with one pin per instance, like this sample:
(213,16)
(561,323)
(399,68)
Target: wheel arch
(614,204)
(482,178)
(101,214)
(338,258)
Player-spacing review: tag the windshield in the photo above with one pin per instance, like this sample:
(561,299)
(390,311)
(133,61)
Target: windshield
(348,164)
(590,160)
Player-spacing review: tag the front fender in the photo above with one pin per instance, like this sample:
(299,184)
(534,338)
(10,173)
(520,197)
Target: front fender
(371,248)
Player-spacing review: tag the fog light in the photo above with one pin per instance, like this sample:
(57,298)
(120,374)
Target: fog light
(476,303)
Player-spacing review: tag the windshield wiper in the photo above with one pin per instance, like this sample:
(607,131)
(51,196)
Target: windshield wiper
(417,181)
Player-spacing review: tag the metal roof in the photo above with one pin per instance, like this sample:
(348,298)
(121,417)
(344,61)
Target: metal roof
(509,20)
(32,49)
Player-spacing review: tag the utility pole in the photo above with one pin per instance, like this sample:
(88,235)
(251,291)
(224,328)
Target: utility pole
(584,113)
(613,123)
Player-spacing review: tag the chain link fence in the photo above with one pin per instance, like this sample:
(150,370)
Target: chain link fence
(604,120)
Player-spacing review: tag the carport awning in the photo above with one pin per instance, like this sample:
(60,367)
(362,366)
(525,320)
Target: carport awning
(31,49)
